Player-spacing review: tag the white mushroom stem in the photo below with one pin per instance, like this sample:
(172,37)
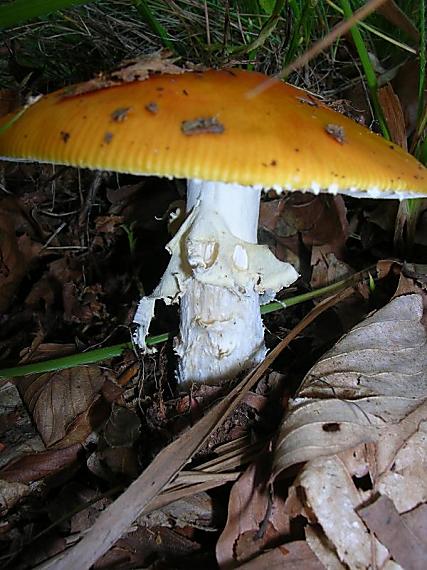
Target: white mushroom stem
(218,272)
(221,331)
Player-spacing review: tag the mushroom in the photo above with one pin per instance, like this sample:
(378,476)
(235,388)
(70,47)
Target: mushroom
(206,127)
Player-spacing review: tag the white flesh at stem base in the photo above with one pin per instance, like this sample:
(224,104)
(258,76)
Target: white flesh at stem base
(219,273)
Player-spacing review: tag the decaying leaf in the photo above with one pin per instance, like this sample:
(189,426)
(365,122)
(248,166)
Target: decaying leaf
(405,542)
(196,511)
(122,428)
(137,548)
(326,268)
(17,433)
(396,16)
(405,84)
(393,114)
(39,465)
(10,494)
(133,70)
(331,501)
(291,556)
(16,255)
(55,399)
(255,522)
(70,498)
(305,219)
(358,424)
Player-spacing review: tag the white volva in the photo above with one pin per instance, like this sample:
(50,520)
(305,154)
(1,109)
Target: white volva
(219,272)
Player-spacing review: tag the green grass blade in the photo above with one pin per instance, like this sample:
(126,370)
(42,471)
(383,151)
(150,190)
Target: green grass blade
(378,33)
(146,14)
(298,36)
(15,117)
(266,31)
(371,78)
(423,57)
(20,11)
(80,359)
(96,355)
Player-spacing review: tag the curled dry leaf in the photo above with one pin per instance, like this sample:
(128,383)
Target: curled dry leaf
(360,415)
(17,433)
(10,494)
(55,399)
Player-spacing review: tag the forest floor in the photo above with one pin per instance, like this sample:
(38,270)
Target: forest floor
(236,482)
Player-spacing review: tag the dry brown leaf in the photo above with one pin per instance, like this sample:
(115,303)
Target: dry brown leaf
(17,433)
(315,220)
(140,69)
(327,268)
(38,465)
(396,16)
(85,423)
(45,350)
(407,545)
(401,460)
(361,413)
(133,70)
(405,85)
(393,114)
(292,556)
(16,254)
(331,500)
(55,399)
(119,462)
(316,541)
(10,494)
(122,428)
(255,521)
(62,274)
(136,549)
(197,511)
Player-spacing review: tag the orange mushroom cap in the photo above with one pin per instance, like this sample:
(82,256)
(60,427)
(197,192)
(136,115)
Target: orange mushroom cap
(206,125)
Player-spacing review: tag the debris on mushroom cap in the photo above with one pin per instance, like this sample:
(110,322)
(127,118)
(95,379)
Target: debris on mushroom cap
(281,139)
